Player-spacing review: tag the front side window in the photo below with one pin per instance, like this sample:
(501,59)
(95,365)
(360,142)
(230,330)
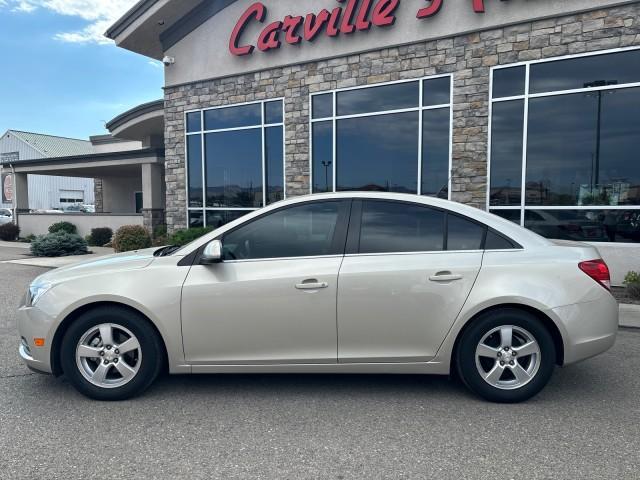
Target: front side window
(565,158)
(307,230)
(235,161)
(392,137)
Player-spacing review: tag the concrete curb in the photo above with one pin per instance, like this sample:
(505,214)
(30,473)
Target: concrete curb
(58,262)
(629,315)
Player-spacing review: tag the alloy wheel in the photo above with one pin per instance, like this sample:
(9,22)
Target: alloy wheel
(508,357)
(109,355)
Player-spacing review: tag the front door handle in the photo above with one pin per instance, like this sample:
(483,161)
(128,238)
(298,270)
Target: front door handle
(445,277)
(312,285)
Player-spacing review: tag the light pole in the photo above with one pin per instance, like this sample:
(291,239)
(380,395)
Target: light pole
(326,164)
(598,93)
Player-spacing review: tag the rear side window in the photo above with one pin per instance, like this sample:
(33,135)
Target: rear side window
(498,242)
(464,234)
(394,227)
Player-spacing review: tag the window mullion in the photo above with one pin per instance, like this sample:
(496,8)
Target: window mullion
(525,138)
(334,137)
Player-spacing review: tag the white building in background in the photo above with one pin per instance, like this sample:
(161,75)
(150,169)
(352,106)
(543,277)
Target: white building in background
(46,192)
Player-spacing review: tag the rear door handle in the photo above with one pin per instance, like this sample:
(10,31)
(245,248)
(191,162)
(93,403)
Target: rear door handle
(445,277)
(312,285)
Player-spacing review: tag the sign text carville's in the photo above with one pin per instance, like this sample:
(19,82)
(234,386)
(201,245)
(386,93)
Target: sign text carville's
(353,16)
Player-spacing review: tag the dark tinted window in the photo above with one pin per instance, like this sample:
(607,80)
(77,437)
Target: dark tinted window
(233,117)
(196,219)
(582,149)
(378,153)
(322,157)
(273,112)
(512,215)
(274,163)
(596,70)
(323,105)
(622,226)
(234,169)
(194,166)
(194,122)
(436,91)
(509,82)
(394,227)
(464,234)
(506,152)
(497,242)
(378,99)
(306,230)
(218,218)
(435,153)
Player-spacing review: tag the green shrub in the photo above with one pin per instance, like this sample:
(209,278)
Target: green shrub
(160,236)
(63,227)
(28,239)
(131,237)
(59,244)
(183,237)
(632,281)
(100,237)
(9,232)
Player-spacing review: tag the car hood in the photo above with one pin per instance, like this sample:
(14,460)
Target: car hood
(110,263)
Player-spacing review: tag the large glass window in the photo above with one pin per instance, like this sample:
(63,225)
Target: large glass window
(235,161)
(565,155)
(393,137)
(301,231)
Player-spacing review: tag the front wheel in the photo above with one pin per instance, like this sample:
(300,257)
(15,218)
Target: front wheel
(111,353)
(506,356)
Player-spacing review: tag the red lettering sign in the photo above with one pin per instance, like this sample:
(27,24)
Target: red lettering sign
(353,16)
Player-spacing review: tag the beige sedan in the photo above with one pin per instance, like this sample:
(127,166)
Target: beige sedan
(336,283)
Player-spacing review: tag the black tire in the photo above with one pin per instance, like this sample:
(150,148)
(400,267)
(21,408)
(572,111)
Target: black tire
(151,346)
(483,325)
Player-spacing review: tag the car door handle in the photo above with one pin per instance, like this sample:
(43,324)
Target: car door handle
(445,277)
(312,285)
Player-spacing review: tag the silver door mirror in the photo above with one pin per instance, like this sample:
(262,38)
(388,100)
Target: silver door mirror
(212,253)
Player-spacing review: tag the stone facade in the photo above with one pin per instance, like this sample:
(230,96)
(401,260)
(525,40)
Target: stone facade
(469,57)
(98,192)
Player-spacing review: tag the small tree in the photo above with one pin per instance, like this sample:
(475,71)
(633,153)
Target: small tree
(131,237)
(632,281)
(100,237)
(183,237)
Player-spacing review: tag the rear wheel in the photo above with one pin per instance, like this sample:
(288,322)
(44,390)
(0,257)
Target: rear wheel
(506,356)
(111,353)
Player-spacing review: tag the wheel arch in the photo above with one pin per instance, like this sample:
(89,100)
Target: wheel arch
(548,323)
(56,364)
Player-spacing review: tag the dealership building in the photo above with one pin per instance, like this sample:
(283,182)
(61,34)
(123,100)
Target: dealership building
(529,109)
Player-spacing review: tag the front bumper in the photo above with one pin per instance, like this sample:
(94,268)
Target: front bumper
(590,328)
(32,324)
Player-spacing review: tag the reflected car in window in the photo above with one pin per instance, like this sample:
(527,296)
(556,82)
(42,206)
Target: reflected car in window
(6,216)
(331,283)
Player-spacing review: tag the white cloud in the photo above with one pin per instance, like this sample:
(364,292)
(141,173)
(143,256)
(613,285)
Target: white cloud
(99,15)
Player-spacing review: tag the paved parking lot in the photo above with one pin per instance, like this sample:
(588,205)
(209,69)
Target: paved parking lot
(586,424)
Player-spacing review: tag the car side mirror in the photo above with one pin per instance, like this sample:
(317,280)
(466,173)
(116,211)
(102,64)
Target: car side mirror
(212,253)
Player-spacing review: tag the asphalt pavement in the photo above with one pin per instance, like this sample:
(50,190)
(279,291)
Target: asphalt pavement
(585,425)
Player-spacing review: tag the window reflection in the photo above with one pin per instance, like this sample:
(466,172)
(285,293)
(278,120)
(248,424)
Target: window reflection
(322,157)
(621,226)
(583,149)
(378,153)
(509,82)
(435,152)
(506,153)
(194,167)
(234,169)
(233,117)
(274,164)
(378,99)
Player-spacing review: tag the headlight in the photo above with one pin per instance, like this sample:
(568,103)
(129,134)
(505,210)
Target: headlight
(36,290)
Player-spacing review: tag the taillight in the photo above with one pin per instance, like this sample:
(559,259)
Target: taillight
(598,270)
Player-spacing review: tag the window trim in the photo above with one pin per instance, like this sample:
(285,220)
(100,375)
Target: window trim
(337,243)
(202,133)
(526,97)
(420,109)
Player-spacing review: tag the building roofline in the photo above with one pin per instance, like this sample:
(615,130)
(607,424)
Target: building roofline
(94,157)
(135,112)
(12,130)
(133,14)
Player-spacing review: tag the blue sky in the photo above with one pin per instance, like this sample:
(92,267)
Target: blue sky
(59,76)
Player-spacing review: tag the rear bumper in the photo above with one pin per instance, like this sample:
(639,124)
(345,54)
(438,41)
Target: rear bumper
(589,328)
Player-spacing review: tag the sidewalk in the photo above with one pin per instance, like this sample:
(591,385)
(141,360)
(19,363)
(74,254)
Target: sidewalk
(45,262)
(630,316)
